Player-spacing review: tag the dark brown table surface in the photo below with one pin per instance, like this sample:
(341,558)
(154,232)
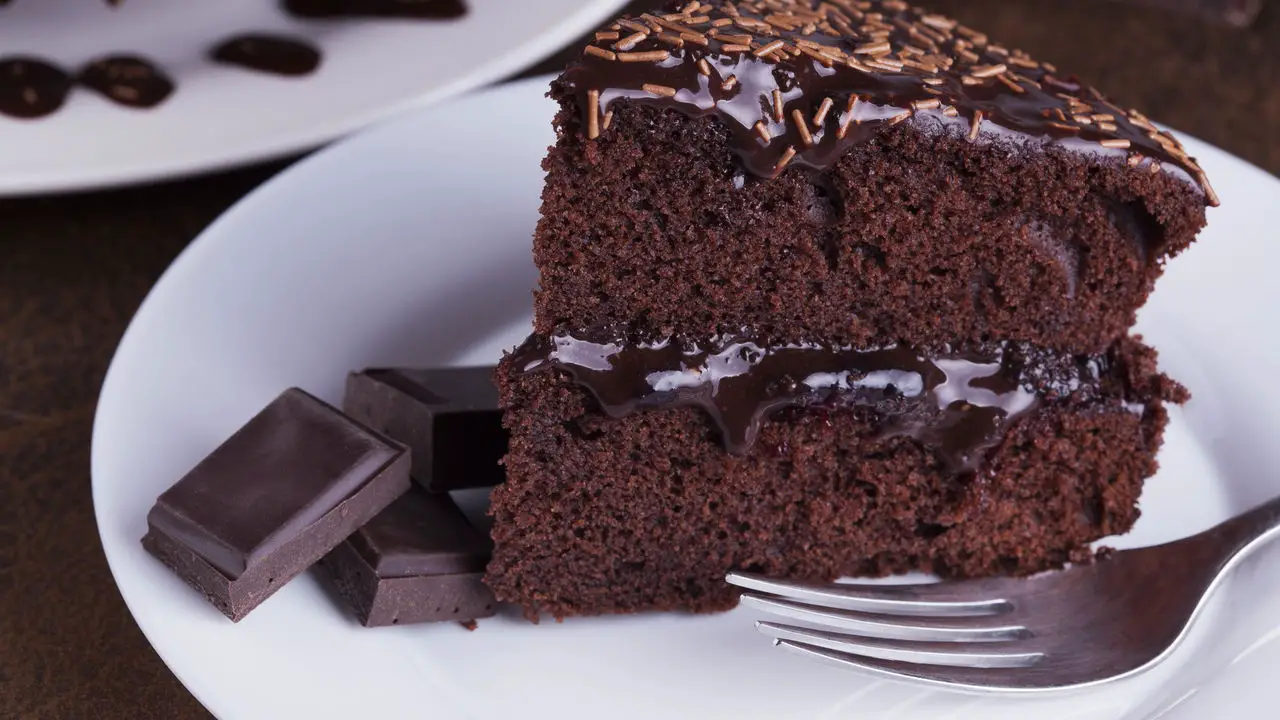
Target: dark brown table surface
(74,268)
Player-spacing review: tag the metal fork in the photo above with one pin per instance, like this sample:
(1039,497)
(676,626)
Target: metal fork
(1082,626)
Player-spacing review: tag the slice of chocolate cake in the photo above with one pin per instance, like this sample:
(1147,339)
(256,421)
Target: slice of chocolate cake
(827,289)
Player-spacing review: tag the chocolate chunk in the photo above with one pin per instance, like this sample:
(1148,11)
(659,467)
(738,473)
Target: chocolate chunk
(417,561)
(283,491)
(449,417)
(274,54)
(128,80)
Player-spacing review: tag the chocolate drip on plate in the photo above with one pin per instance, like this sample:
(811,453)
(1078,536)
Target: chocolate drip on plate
(957,404)
(268,53)
(128,80)
(31,88)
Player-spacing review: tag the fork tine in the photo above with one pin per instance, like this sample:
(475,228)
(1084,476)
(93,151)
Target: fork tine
(922,653)
(961,679)
(877,626)
(921,599)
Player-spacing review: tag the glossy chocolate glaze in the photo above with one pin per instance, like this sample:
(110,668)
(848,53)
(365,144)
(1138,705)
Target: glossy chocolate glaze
(958,404)
(795,85)
(421,9)
(274,54)
(128,80)
(31,88)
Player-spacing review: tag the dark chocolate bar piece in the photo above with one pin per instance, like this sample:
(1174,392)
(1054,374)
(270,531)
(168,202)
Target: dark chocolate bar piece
(448,417)
(273,499)
(417,561)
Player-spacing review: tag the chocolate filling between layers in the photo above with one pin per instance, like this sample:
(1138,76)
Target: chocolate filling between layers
(958,403)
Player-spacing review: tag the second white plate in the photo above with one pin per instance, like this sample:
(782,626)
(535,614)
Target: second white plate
(222,116)
(398,248)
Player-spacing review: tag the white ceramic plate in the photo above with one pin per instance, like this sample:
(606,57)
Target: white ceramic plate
(398,248)
(222,116)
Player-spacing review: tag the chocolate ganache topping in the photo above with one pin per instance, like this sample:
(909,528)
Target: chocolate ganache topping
(800,81)
(957,404)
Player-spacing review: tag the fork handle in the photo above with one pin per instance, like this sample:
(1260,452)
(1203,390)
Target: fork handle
(1236,538)
(1229,543)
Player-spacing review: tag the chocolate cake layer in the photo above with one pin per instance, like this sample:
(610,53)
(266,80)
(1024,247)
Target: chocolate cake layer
(965,194)
(278,495)
(647,512)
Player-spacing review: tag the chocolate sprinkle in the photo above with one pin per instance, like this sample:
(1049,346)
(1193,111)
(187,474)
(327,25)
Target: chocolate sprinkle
(958,403)
(896,61)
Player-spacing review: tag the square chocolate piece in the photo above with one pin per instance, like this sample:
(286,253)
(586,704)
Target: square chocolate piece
(419,560)
(273,499)
(448,417)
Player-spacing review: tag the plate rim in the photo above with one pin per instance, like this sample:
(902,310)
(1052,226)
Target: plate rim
(201,244)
